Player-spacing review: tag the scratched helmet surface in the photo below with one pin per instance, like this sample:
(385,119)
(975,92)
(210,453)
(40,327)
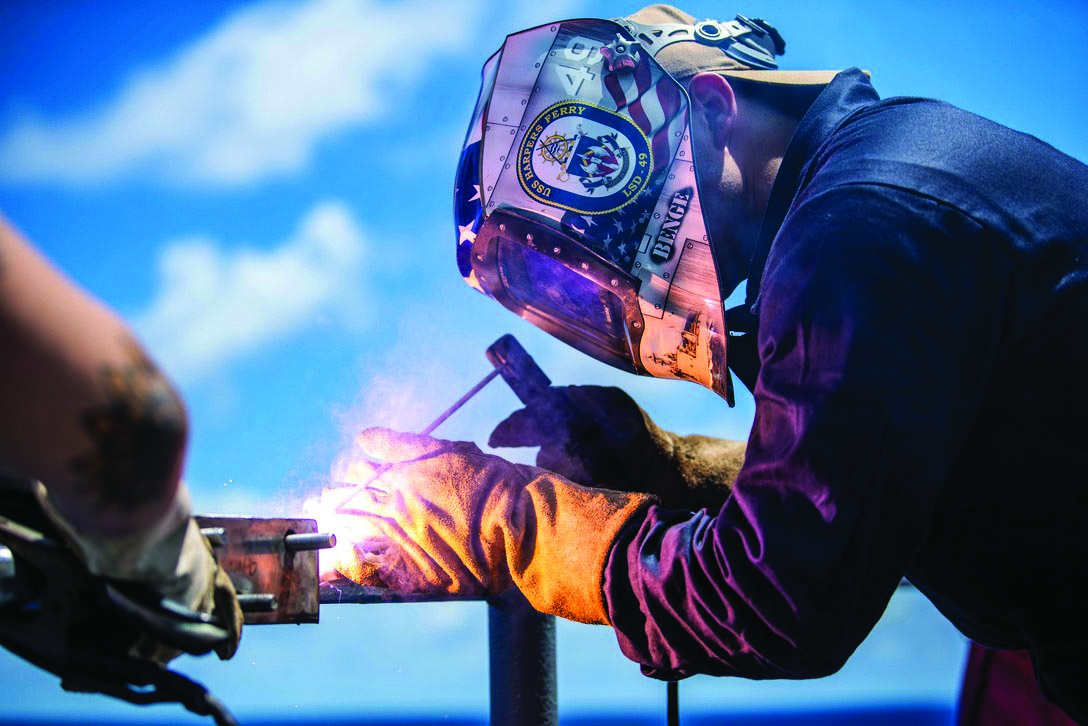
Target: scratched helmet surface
(576,199)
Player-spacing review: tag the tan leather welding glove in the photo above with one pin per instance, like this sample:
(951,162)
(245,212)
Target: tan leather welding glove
(599,436)
(448,518)
(171,557)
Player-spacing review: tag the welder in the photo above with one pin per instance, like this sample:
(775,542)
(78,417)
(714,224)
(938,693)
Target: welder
(914,331)
(87,416)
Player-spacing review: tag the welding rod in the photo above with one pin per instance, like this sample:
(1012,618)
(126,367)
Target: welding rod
(427,431)
(429,428)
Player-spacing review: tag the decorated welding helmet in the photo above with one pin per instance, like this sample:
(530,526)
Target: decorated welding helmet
(576,199)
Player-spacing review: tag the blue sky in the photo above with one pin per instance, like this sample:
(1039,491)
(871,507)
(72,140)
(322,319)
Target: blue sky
(264,190)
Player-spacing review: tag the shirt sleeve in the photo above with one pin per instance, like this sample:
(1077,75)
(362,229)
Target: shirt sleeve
(880,318)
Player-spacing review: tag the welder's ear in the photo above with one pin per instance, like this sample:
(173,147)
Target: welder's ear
(713,108)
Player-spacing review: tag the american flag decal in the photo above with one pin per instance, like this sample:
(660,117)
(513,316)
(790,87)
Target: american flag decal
(655,106)
(468,210)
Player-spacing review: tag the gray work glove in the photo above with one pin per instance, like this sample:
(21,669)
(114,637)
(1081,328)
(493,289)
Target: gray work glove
(600,437)
(171,558)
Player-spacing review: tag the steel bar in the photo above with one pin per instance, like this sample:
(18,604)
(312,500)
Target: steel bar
(259,560)
(257,602)
(216,536)
(307,542)
(346,592)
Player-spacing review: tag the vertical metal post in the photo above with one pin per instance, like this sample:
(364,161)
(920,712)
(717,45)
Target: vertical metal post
(672,703)
(521,640)
(521,645)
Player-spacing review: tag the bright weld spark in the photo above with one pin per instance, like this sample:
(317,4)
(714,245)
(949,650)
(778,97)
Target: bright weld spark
(353,532)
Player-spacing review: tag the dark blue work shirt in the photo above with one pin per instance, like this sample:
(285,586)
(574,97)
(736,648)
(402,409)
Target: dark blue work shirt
(921,285)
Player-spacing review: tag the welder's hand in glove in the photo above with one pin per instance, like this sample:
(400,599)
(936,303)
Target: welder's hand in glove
(599,436)
(455,520)
(170,558)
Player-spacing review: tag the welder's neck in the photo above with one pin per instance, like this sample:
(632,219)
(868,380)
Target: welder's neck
(758,144)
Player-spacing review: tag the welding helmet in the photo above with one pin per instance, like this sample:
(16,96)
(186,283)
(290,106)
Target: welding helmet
(576,200)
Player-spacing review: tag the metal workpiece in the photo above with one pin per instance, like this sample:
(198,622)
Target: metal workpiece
(272,563)
(273,567)
(343,591)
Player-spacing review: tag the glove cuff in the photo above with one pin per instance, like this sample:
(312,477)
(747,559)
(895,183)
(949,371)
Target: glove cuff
(560,567)
(169,555)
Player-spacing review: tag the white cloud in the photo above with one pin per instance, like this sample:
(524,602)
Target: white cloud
(251,98)
(214,306)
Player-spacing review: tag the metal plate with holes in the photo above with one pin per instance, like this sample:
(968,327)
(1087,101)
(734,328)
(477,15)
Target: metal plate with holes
(272,563)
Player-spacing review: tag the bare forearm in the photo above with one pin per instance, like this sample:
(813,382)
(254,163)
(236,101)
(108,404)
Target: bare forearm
(81,406)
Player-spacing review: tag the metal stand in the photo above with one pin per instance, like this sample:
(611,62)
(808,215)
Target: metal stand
(521,644)
(672,703)
(521,650)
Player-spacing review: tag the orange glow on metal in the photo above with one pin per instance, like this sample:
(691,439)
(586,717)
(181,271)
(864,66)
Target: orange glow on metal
(351,556)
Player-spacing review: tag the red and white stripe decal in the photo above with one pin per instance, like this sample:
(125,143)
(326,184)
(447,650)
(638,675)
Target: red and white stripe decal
(654,107)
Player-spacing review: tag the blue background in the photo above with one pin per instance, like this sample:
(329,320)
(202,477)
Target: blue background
(305,287)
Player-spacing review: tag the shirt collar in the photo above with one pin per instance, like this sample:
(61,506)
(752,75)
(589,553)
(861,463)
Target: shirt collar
(847,92)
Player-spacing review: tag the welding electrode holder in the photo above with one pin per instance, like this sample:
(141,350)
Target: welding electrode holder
(518,369)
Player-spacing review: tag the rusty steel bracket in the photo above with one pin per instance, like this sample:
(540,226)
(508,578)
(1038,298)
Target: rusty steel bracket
(272,563)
